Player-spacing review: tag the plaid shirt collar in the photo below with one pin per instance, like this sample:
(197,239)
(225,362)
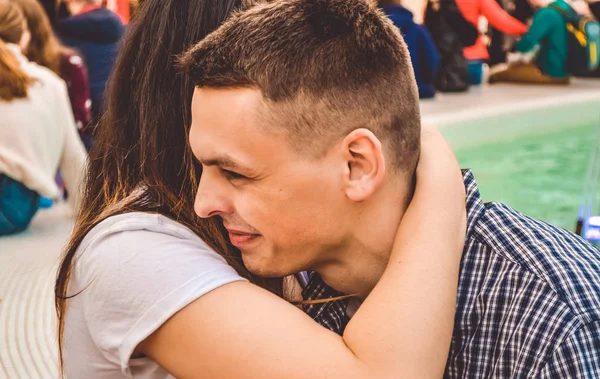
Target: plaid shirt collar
(332,315)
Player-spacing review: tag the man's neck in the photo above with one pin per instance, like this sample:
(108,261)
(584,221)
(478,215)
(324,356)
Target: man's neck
(360,263)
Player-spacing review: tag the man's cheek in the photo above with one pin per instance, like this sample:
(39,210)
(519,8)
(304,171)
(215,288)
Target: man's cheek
(256,218)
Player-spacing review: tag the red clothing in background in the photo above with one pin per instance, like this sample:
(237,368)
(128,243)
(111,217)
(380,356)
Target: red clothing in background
(496,16)
(120,7)
(74,73)
(87,8)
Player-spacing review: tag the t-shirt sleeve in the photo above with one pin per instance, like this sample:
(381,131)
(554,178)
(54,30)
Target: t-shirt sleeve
(134,281)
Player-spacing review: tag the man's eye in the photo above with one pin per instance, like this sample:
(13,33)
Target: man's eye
(233,175)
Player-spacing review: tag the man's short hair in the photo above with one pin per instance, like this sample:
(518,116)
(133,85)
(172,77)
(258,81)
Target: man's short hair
(324,68)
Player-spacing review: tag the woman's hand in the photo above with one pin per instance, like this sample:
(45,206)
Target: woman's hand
(438,206)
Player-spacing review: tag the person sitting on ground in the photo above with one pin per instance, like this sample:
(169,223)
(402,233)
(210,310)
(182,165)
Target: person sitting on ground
(423,52)
(548,34)
(478,54)
(95,32)
(529,292)
(37,129)
(45,50)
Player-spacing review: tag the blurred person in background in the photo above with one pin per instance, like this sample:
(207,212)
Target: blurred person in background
(95,32)
(451,32)
(45,50)
(423,52)
(547,39)
(499,43)
(478,54)
(495,45)
(37,130)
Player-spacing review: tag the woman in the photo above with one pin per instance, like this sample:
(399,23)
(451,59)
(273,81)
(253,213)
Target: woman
(140,186)
(45,50)
(37,131)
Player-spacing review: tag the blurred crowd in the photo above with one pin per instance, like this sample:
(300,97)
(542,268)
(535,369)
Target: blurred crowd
(52,81)
(52,54)
(524,41)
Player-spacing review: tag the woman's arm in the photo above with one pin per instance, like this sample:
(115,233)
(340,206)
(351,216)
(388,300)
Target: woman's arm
(423,270)
(403,328)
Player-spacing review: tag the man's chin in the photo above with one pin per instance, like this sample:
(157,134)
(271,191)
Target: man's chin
(264,272)
(262,269)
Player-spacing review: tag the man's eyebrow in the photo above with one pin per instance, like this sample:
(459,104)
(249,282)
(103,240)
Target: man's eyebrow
(222,161)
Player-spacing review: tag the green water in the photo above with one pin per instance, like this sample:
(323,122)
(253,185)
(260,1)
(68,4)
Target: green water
(540,175)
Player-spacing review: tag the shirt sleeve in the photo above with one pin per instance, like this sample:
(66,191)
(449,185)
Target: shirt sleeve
(132,282)
(578,357)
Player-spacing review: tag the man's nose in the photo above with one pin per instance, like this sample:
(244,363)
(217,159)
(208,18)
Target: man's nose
(212,199)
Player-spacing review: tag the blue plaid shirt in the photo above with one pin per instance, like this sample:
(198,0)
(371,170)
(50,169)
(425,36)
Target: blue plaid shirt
(528,299)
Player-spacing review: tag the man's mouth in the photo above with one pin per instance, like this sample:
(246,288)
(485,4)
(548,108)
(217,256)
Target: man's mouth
(241,239)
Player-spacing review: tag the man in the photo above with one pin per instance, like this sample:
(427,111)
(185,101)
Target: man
(548,32)
(309,137)
(95,32)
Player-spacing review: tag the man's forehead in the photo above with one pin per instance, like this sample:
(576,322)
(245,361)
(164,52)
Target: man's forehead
(221,113)
(212,153)
(208,99)
(238,113)
(224,132)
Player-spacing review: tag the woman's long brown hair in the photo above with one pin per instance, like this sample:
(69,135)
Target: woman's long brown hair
(44,48)
(141,140)
(14,83)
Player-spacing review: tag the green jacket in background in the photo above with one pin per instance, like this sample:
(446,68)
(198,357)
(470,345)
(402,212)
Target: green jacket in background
(549,31)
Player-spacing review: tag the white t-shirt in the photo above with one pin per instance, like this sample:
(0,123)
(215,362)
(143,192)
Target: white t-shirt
(136,270)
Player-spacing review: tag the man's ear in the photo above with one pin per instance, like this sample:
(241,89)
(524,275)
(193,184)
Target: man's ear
(366,164)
